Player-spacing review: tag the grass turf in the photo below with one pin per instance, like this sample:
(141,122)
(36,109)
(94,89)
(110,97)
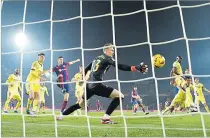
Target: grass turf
(137,126)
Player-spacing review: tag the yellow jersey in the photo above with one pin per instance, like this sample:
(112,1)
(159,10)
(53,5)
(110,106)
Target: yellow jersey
(43,90)
(178,67)
(35,72)
(78,77)
(199,89)
(15,82)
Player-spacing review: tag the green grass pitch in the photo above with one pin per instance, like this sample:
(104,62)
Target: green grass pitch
(71,126)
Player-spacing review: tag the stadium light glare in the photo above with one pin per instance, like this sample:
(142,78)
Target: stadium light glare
(21,39)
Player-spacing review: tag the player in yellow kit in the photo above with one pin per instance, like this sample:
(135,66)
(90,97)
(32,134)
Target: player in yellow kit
(182,83)
(43,90)
(176,71)
(79,89)
(14,88)
(189,104)
(33,83)
(199,94)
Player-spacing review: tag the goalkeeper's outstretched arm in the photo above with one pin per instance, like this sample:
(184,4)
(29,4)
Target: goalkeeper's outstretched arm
(140,68)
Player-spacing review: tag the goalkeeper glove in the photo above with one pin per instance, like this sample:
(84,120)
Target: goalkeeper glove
(143,68)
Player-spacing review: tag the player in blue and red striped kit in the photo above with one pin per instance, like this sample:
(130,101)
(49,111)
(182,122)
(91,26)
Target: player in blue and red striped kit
(62,76)
(136,101)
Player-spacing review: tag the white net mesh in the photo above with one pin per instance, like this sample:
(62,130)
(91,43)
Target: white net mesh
(126,119)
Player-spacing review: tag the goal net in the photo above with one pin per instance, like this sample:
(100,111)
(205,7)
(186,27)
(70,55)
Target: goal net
(78,30)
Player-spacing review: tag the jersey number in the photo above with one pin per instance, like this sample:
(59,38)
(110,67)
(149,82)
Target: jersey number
(95,65)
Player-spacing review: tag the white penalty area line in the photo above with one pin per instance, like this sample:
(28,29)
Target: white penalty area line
(110,126)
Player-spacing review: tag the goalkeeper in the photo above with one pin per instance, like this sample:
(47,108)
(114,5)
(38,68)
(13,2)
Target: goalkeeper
(96,70)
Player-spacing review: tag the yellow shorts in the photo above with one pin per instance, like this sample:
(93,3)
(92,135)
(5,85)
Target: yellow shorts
(35,87)
(189,98)
(200,99)
(79,92)
(15,96)
(179,99)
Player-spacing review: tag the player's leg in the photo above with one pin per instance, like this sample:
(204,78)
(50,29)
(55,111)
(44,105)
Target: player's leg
(65,97)
(114,94)
(36,101)
(43,106)
(30,92)
(177,97)
(203,101)
(174,102)
(18,98)
(135,107)
(6,105)
(142,107)
(79,105)
(77,97)
(80,93)
(189,105)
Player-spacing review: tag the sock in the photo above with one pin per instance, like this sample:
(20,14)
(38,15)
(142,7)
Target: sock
(135,109)
(71,109)
(29,103)
(17,105)
(79,112)
(113,105)
(39,107)
(207,108)
(166,110)
(6,105)
(75,112)
(43,107)
(106,116)
(35,105)
(142,107)
(171,109)
(63,106)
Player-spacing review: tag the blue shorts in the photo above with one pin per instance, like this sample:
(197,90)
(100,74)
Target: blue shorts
(66,86)
(134,102)
(138,102)
(176,91)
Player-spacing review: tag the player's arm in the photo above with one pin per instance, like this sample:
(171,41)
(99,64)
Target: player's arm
(141,68)
(47,92)
(75,78)
(87,76)
(173,72)
(19,87)
(174,69)
(9,80)
(205,89)
(88,68)
(47,71)
(74,61)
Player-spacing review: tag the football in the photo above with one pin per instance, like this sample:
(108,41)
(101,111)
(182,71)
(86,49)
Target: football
(158,61)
